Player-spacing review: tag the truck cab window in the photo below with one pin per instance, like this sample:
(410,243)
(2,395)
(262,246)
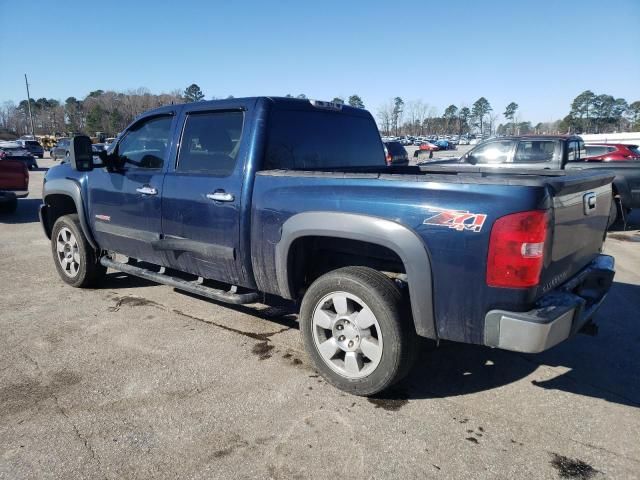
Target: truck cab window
(490,153)
(534,151)
(210,143)
(145,144)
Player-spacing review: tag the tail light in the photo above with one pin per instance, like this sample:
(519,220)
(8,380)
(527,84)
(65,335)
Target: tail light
(516,250)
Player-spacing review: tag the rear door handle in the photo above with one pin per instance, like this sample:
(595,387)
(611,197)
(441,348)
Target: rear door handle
(147,190)
(220,196)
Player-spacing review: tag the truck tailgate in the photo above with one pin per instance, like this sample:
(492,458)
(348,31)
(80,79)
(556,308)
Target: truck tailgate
(581,209)
(13,175)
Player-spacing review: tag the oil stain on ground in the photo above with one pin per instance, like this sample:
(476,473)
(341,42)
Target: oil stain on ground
(262,350)
(572,468)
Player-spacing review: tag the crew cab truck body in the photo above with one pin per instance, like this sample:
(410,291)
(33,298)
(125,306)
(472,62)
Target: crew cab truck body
(14,184)
(558,152)
(292,198)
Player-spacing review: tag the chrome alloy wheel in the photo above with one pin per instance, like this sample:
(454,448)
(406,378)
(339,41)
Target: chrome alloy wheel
(347,335)
(68,254)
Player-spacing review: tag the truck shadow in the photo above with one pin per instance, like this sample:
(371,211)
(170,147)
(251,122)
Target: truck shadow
(27,212)
(606,366)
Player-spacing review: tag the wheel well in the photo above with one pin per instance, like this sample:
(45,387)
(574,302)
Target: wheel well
(313,256)
(58,205)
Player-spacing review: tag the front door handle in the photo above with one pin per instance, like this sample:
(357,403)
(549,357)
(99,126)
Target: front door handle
(147,190)
(220,196)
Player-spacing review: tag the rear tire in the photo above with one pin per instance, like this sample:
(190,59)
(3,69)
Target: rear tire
(75,260)
(357,331)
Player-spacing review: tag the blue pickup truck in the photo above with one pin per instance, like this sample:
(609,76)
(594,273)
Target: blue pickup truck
(244,200)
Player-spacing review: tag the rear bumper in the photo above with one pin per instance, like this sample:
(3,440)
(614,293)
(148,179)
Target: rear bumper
(10,195)
(557,316)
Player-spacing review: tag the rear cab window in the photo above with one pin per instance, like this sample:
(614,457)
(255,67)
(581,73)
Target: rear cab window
(576,151)
(300,139)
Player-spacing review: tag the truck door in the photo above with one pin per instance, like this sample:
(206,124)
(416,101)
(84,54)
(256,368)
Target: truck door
(201,202)
(124,205)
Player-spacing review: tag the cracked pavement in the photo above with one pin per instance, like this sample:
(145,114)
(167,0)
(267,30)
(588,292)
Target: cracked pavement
(136,380)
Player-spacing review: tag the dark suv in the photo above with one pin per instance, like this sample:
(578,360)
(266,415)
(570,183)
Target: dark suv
(33,146)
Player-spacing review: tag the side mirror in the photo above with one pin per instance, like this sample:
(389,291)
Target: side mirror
(81,153)
(111,161)
(471,159)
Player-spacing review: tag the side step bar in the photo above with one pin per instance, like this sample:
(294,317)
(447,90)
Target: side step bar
(180,284)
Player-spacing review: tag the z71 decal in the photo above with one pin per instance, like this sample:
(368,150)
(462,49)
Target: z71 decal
(457,219)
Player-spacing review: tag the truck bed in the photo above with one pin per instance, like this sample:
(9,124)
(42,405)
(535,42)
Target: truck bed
(412,195)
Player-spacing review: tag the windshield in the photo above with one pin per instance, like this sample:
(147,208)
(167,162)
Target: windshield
(316,139)
(634,149)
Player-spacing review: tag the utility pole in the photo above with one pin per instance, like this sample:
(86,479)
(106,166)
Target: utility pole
(29,104)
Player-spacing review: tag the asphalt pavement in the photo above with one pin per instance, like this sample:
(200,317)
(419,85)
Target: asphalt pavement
(137,380)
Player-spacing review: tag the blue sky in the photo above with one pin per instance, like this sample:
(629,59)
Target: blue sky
(540,54)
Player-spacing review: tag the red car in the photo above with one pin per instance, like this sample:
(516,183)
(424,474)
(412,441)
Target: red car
(611,152)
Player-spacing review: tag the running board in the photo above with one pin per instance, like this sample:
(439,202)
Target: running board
(191,287)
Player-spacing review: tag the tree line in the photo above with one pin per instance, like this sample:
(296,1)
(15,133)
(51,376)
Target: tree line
(589,113)
(109,112)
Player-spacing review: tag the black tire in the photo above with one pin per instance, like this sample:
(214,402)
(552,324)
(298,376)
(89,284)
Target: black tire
(89,270)
(387,303)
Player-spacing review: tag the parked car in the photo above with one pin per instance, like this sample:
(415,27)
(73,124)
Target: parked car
(33,146)
(14,183)
(61,149)
(293,198)
(566,152)
(611,152)
(463,141)
(15,151)
(444,145)
(395,154)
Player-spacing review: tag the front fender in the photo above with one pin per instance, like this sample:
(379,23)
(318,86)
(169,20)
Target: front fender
(71,189)
(394,236)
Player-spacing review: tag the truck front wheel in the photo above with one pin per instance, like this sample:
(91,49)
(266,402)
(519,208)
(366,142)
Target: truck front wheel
(355,330)
(75,260)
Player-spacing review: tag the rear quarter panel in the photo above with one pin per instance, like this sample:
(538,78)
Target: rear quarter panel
(458,257)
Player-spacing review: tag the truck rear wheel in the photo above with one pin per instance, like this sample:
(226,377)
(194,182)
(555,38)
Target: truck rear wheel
(355,330)
(75,259)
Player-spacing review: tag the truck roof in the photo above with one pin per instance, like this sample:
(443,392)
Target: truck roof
(292,103)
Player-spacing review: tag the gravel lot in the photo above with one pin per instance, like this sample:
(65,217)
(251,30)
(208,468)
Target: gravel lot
(135,380)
